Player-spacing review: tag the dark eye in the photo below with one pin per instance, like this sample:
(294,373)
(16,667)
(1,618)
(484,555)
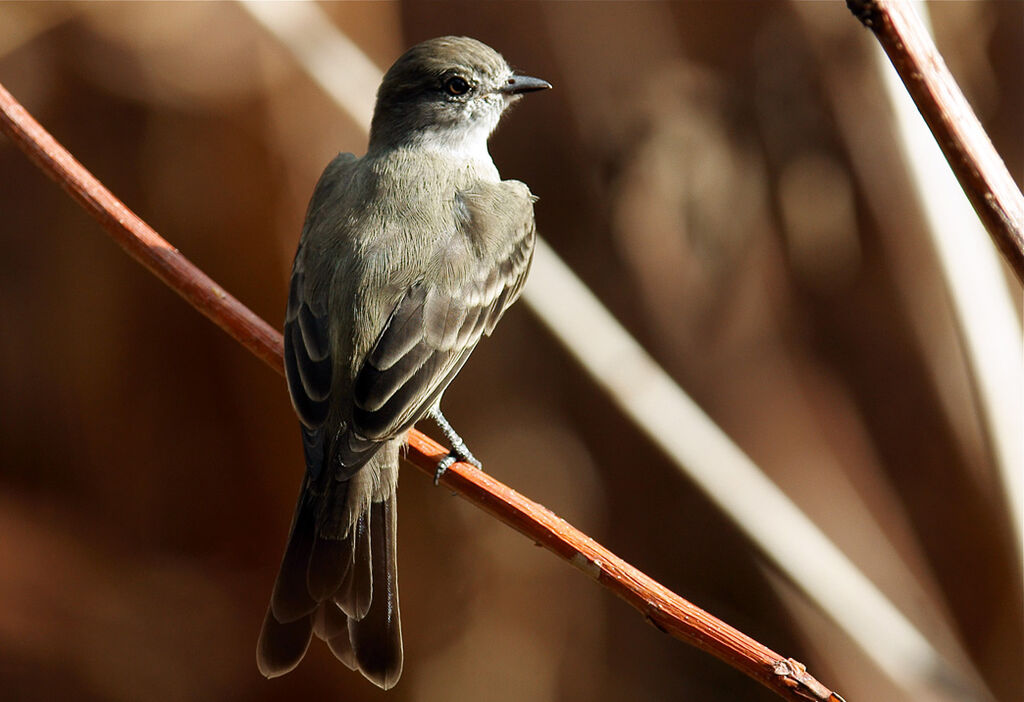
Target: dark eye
(456,85)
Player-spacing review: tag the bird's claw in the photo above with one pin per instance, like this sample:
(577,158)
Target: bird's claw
(463,456)
(442,467)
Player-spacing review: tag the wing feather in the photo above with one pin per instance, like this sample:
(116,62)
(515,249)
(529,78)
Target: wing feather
(312,413)
(428,337)
(375,387)
(309,367)
(314,334)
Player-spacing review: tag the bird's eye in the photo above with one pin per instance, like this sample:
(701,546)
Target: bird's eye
(456,85)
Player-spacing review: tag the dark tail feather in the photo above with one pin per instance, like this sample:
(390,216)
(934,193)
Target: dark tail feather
(282,645)
(343,590)
(353,596)
(330,563)
(291,600)
(331,626)
(377,637)
(288,625)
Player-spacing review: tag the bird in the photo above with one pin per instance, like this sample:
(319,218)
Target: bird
(408,256)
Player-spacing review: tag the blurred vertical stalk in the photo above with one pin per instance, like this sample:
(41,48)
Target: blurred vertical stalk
(978,291)
(22,23)
(663,412)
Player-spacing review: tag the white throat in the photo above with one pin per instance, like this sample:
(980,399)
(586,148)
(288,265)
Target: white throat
(467,146)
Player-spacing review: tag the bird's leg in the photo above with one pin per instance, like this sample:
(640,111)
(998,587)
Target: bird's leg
(459,450)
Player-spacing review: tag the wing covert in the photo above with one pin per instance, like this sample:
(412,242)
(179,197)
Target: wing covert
(427,338)
(308,362)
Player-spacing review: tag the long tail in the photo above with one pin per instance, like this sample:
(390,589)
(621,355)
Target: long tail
(340,582)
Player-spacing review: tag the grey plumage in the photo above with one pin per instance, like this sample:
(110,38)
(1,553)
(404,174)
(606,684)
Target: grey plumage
(408,256)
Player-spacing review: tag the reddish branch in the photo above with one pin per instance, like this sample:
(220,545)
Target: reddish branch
(982,174)
(663,608)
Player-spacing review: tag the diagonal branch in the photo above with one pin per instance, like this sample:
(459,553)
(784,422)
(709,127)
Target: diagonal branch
(664,609)
(980,296)
(982,174)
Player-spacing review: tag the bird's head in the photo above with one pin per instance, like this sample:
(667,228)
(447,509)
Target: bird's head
(446,93)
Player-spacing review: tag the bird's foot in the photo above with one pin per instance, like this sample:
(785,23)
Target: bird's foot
(459,451)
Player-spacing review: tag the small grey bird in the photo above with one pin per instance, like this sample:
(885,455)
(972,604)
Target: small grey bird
(407,257)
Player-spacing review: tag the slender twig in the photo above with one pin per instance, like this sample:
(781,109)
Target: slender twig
(980,170)
(980,295)
(666,610)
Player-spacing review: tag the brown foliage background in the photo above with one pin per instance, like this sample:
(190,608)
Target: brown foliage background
(692,169)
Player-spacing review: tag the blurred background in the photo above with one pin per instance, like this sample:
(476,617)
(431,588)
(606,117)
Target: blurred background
(725,177)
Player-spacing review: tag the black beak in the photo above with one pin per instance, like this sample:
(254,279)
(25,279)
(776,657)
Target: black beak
(517,85)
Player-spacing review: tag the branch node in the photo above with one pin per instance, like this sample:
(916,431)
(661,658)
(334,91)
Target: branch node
(654,622)
(794,675)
